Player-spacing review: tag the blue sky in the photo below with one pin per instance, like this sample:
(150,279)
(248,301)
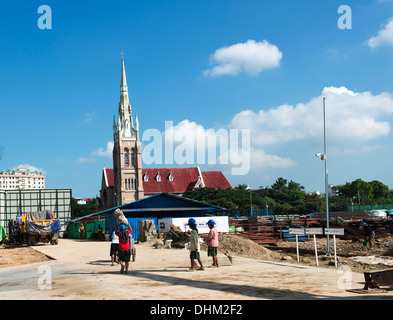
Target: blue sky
(262,66)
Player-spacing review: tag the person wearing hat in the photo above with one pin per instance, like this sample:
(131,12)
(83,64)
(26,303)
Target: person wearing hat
(369,234)
(194,246)
(212,242)
(124,248)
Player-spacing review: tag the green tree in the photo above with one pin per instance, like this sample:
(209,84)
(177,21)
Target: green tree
(80,210)
(380,191)
(238,198)
(360,190)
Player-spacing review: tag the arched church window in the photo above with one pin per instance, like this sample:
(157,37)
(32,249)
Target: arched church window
(133,157)
(170,177)
(145,177)
(126,157)
(158,177)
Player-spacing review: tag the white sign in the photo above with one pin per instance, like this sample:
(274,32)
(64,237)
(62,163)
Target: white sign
(299,231)
(314,231)
(334,231)
(222,224)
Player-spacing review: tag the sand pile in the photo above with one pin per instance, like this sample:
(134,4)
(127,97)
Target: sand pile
(20,255)
(229,244)
(236,245)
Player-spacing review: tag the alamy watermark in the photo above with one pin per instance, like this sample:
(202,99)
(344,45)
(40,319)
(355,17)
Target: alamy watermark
(344,21)
(344,282)
(45,280)
(45,20)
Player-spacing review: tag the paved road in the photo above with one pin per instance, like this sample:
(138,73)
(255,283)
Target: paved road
(82,270)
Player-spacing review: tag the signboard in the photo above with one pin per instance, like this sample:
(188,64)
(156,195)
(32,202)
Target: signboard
(298,231)
(222,224)
(334,231)
(314,231)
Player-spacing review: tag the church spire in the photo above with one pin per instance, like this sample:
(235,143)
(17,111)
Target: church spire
(123,86)
(127,156)
(125,123)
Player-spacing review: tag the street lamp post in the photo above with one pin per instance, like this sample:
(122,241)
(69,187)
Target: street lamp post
(324,157)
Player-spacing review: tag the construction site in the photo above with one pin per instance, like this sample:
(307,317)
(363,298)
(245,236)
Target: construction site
(265,238)
(258,259)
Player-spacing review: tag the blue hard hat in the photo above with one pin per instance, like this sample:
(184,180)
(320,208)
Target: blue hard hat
(122,226)
(363,223)
(191,221)
(212,222)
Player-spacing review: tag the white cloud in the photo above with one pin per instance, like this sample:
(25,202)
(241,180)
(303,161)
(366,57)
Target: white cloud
(352,151)
(350,116)
(250,57)
(101,152)
(219,147)
(260,160)
(384,37)
(88,117)
(85,160)
(30,168)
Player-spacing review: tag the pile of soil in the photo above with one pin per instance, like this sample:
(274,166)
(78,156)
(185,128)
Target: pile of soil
(20,255)
(228,244)
(237,245)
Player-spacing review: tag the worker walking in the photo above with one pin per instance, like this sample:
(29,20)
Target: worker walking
(212,242)
(124,248)
(194,246)
(369,234)
(114,247)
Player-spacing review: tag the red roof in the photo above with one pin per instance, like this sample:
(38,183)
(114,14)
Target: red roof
(215,179)
(183,179)
(110,178)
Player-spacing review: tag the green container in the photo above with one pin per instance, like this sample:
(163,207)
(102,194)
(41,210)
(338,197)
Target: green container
(89,229)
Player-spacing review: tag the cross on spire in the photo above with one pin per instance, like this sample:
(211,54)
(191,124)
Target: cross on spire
(122,54)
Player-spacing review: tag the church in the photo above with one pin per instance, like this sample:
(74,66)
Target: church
(128,181)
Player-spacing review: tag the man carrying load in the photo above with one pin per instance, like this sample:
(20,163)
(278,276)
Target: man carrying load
(212,242)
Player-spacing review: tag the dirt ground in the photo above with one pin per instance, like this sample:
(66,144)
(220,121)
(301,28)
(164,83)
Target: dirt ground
(82,270)
(354,254)
(15,256)
(351,253)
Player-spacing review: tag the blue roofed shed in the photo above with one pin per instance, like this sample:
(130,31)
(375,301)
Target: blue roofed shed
(160,206)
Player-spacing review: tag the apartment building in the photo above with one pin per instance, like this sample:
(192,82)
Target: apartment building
(21,179)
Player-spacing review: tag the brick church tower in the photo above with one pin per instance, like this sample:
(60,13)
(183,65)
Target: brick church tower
(127,157)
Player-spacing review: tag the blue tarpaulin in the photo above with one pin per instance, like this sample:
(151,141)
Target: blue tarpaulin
(43,230)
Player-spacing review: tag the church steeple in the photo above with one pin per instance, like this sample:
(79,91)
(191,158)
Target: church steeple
(127,156)
(123,86)
(125,123)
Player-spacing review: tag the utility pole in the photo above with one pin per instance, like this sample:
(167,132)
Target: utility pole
(326,175)
(324,157)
